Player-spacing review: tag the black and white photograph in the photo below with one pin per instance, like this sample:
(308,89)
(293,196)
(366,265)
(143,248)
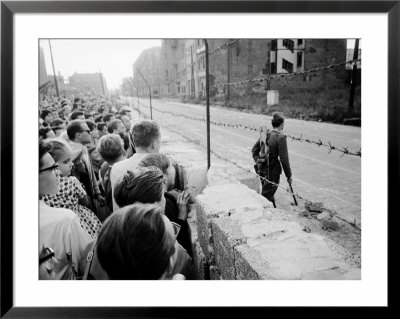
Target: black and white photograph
(186,157)
(200,159)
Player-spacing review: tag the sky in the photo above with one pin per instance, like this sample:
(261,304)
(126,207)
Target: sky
(114,58)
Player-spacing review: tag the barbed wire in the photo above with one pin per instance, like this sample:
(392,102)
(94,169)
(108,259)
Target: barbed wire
(197,142)
(222,46)
(319,143)
(283,75)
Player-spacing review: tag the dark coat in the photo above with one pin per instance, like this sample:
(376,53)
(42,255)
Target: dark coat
(278,155)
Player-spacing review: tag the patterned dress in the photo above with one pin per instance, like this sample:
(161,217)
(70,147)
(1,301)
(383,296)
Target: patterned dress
(69,192)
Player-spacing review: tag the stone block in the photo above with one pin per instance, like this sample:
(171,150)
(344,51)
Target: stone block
(199,261)
(203,228)
(314,206)
(329,224)
(215,273)
(249,264)
(323,215)
(226,235)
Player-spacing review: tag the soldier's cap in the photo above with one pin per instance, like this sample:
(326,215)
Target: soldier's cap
(277,119)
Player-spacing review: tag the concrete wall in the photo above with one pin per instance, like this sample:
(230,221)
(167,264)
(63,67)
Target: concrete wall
(237,234)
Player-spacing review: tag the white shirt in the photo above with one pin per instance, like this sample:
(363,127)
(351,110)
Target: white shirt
(61,231)
(119,169)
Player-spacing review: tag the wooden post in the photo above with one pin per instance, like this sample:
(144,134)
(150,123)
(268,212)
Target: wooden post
(353,79)
(208,106)
(54,71)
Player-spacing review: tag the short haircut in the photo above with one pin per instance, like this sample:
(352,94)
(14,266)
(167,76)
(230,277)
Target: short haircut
(112,125)
(92,125)
(123,112)
(44,147)
(144,184)
(101,125)
(74,127)
(45,113)
(59,148)
(106,118)
(110,147)
(145,132)
(134,244)
(43,131)
(75,114)
(87,115)
(98,118)
(158,160)
(56,123)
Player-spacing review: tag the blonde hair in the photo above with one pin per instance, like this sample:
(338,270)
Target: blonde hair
(59,148)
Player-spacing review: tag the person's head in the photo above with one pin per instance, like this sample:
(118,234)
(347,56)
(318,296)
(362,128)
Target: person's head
(162,162)
(144,184)
(98,118)
(137,242)
(146,135)
(111,148)
(47,116)
(93,129)
(77,115)
(48,171)
(126,121)
(108,117)
(116,126)
(278,120)
(126,113)
(66,110)
(46,132)
(102,128)
(62,155)
(57,125)
(89,116)
(78,132)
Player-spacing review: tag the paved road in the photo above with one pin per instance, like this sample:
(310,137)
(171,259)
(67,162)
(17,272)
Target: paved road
(317,174)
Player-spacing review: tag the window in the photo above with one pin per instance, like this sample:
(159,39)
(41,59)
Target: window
(273,45)
(299,59)
(286,65)
(299,41)
(288,44)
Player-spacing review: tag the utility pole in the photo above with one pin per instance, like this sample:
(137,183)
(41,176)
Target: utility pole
(353,78)
(228,73)
(54,71)
(208,106)
(101,81)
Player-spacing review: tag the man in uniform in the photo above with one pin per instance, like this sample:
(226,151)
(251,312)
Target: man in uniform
(270,154)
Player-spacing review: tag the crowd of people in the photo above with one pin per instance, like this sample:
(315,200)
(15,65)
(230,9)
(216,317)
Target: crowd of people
(111,205)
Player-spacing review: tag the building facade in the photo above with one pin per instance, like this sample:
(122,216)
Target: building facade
(181,69)
(88,83)
(147,68)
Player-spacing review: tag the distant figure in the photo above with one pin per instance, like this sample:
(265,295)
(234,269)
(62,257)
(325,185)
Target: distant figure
(270,154)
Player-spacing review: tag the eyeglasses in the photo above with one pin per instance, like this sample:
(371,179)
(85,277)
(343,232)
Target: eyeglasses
(85,131)
(49,253)
(177,228)
(53,167)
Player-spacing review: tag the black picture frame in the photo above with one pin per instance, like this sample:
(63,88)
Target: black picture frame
(9,8)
